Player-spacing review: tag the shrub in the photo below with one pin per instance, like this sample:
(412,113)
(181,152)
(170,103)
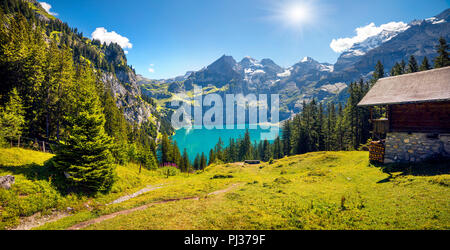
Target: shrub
(319,173)
(441,180)
(282,180)
(169,171)
(221,176)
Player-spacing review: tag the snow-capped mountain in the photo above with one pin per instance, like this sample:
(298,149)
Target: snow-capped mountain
(350,56)
(309,78)
(257,73)
(250,68)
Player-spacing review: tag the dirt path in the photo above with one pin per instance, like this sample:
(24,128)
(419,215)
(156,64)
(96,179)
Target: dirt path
(37,220)
(128,211)
(131,196)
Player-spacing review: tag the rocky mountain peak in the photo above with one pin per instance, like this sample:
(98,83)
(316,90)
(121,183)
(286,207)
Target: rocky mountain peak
(223,62)
(308,59)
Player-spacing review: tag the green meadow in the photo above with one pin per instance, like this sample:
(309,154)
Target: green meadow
(324,190)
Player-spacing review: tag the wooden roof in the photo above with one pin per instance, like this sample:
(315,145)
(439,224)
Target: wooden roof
(427,86)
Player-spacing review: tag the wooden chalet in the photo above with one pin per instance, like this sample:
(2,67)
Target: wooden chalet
(417,126)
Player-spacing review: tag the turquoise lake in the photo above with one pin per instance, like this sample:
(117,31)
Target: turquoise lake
(200,139)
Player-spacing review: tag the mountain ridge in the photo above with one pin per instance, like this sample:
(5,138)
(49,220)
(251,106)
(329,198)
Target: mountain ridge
(309,79)
(108,60)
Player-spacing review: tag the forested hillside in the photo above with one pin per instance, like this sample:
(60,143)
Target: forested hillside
(51,75)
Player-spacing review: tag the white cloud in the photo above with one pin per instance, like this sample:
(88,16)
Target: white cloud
(47,7)
(104,36)
(362,33)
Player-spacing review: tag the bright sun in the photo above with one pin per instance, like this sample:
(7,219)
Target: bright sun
(297,14)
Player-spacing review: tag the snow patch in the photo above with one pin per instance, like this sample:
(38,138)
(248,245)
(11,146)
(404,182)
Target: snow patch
(440,21)
(258,71)
(327,68)
(286,73)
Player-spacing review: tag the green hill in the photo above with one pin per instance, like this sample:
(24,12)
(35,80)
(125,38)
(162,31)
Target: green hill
(324,190)
(34,193)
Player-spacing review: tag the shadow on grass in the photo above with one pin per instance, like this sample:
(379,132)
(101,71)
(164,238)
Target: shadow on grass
(46,172)
(433,167)
(30,171)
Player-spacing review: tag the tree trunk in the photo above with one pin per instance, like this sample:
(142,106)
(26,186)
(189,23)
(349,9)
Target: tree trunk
(57,131)
(47,120)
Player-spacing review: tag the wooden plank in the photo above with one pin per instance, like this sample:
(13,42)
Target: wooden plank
(420,117)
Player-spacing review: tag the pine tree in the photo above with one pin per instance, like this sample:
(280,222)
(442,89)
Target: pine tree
(212,157)
(166,150)
(146,158)
(203,163)
(267,154)
(402,69)
(12,118)
(84,157)
(443,59)
(425,65)
(379,71)
(176,155)
(320,128)
(394,70)
(231,151)
(33,75)
(56,89)
(245,148)
(197,163)
(186,163)
(277,148)
(329,127)
(286,137)
(218,150)
(413,65)
(340,129)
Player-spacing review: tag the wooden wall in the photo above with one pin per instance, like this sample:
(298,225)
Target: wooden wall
(423,117)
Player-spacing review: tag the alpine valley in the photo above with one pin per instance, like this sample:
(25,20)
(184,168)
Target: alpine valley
(308,79)
(87,143)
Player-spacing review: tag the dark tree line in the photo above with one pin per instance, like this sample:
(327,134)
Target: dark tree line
(442,60)
(170,154)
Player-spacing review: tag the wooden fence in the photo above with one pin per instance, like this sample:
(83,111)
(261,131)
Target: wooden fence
(33,144)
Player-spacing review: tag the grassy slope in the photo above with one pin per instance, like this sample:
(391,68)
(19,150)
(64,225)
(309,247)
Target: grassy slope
(34,193)
(333,190)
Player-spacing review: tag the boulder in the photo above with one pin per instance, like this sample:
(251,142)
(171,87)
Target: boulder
(7,181)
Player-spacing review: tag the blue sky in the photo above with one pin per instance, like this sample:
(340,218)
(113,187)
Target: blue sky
(166,38)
